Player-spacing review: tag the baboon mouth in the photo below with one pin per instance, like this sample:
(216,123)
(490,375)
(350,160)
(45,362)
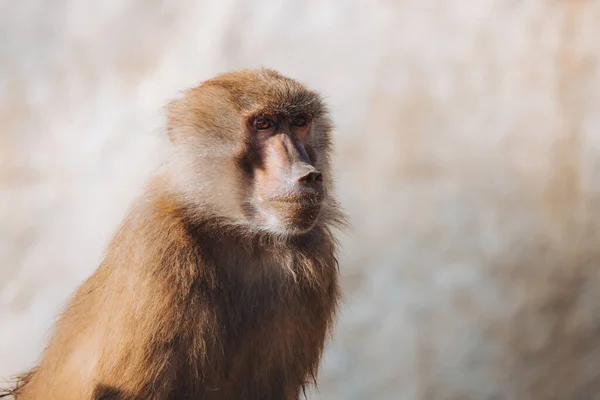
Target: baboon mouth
(302,201)
(302,204)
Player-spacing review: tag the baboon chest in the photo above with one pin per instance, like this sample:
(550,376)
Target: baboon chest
(270,329)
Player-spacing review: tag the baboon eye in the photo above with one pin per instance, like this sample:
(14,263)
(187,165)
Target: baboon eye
(300,121)
(263,123)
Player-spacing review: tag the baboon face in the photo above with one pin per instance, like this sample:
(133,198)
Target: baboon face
(288,188)
(263,142)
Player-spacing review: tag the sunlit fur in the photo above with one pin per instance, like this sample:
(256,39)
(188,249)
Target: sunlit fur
(222,103)
(194,299)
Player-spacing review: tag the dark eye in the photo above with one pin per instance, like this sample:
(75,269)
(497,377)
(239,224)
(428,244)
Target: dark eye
(300,121)
(263,123)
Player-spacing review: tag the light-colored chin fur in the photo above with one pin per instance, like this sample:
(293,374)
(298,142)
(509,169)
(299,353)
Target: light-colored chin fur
(277,227)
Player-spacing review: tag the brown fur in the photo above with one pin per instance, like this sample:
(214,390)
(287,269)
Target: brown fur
(197,298)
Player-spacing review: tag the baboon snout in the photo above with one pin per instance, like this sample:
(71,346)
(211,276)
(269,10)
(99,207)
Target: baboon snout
(306,175)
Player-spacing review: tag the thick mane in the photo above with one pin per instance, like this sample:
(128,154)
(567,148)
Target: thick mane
(267,91)
(17,385)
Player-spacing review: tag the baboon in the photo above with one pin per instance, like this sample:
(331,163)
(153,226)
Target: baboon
(222,281)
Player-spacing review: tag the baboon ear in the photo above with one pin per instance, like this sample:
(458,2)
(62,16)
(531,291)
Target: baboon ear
(171,111)
(176,111)
(170,127)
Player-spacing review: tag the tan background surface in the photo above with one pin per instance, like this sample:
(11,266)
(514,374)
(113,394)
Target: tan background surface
(468,158)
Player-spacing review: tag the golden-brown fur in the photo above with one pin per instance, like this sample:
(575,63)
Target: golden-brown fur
(196,298)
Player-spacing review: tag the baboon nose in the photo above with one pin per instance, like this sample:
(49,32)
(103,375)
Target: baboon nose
(311,177)
(306,175)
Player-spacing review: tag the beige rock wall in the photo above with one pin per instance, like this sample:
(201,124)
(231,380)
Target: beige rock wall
(468,158)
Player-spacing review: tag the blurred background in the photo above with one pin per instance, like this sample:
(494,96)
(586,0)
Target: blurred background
(468,158)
